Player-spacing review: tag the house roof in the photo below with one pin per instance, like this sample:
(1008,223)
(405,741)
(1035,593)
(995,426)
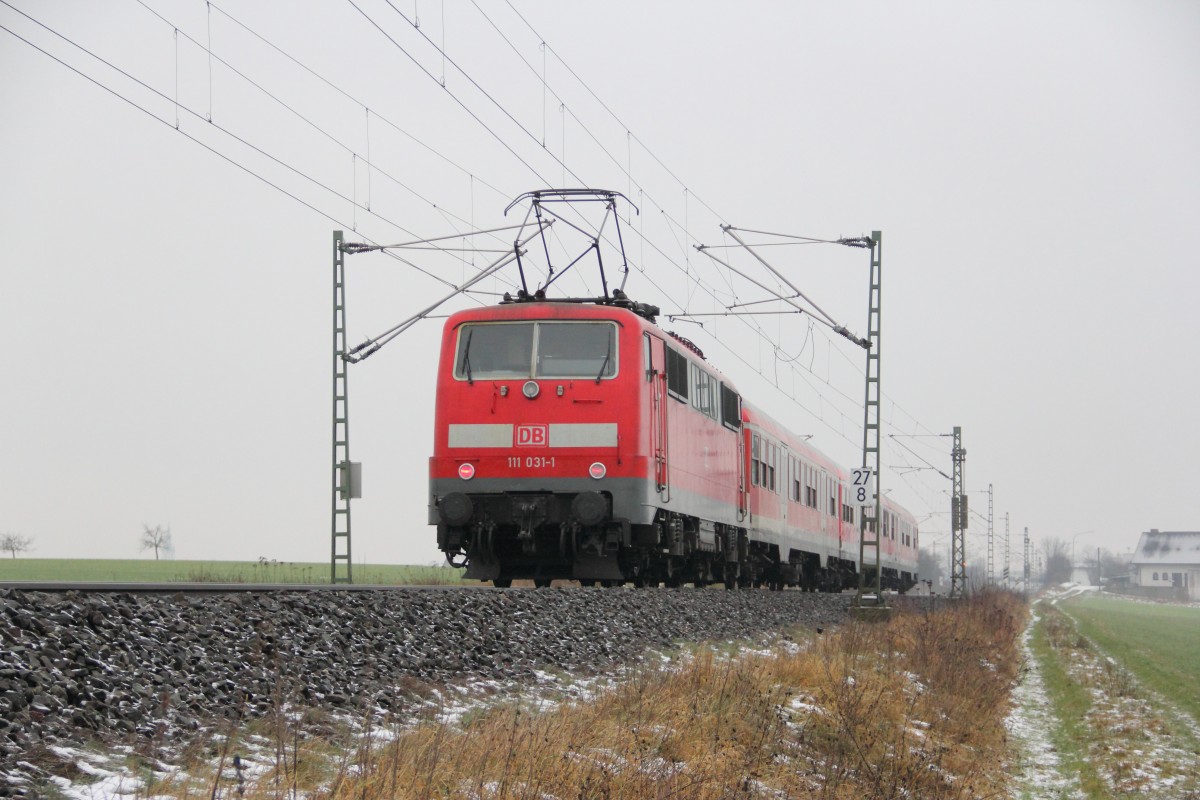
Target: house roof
(1168,547)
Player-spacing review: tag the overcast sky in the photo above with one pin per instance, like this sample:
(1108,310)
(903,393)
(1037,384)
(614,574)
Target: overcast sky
(1034,169)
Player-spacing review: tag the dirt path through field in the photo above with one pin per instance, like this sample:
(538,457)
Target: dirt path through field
(1037,771)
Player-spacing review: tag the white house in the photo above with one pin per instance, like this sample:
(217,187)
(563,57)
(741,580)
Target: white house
(1168,560)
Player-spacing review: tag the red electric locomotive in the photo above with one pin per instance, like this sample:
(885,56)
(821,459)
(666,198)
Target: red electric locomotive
(578,440)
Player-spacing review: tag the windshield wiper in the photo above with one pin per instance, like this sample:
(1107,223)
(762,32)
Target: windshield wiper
(467,357)
(604,364)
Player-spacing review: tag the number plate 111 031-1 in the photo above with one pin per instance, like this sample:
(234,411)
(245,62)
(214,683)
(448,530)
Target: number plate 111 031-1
(531,462)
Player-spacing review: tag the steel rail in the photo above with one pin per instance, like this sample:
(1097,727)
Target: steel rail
(215,588)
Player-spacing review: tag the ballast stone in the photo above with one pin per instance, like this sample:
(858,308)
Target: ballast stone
(76,666)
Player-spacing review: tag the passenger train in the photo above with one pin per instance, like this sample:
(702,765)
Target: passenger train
(578,440)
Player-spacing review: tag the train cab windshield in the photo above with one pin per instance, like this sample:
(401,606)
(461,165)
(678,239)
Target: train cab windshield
(487,351)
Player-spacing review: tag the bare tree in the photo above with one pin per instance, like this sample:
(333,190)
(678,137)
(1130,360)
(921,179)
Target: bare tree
(929,567)
(156,538)
(1057,563)
(15,543)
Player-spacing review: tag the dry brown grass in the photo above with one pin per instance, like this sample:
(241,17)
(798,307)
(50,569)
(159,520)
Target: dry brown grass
(910,708)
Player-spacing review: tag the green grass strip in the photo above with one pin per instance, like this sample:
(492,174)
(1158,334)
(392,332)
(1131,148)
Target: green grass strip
(1158,643)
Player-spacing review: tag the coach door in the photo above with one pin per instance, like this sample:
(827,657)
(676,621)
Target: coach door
(782,467)
(656,376)
(823,500)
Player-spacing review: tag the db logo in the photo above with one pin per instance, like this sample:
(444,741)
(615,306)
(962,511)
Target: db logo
(533,435)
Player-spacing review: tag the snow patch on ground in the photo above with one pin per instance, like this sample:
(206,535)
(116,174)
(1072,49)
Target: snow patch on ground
(110,775)
(1037,769)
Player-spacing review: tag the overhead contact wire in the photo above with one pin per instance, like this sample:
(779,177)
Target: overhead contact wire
(333,139)
(203,144)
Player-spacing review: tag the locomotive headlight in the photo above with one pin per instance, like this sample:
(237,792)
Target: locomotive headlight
(530,389)
(597,470)
(466,471)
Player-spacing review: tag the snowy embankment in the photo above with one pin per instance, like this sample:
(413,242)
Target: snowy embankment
(155,671)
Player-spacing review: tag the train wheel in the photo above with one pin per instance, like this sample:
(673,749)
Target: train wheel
(587,583)
(541,583)
(502,583)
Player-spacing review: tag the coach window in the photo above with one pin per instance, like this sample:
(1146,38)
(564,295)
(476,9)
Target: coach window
(764,455)
(765,464)
(771,466)
(755,449)
(810,486)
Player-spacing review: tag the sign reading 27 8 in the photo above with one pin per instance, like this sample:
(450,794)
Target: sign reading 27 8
(862,486)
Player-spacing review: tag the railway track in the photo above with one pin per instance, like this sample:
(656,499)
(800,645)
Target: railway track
(216,588)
